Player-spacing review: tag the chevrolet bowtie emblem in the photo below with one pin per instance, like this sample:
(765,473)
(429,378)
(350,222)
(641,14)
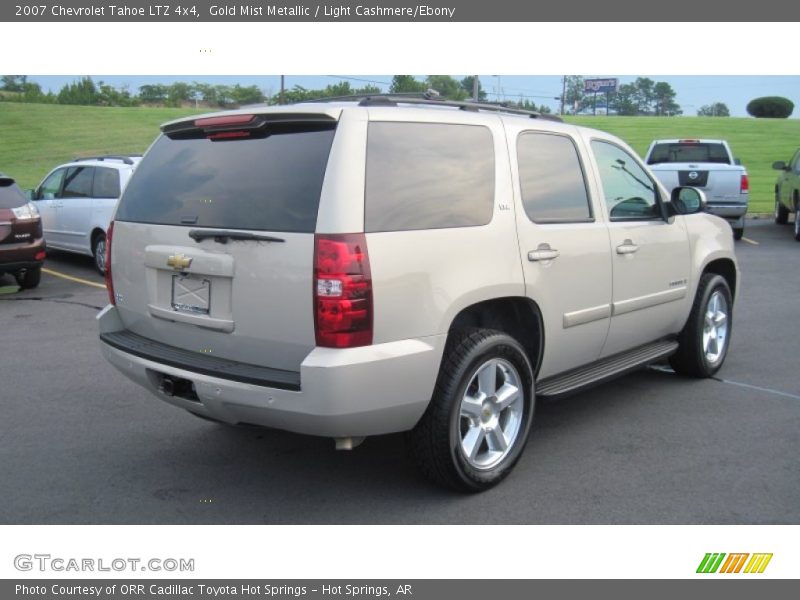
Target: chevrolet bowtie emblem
(179,262)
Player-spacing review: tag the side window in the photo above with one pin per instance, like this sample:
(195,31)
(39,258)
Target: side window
(78,182)
(428,176)
(106,183)
(551,179)
(629,191)
(51,186)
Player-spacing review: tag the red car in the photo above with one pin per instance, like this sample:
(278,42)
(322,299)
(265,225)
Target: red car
(22,247)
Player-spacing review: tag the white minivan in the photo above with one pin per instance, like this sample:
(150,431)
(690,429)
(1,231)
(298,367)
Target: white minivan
(77,202)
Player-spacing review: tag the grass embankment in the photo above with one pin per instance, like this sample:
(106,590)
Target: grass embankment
(34,138)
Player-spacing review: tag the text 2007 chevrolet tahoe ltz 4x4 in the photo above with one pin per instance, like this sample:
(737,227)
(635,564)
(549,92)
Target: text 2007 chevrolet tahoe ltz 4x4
(360,268)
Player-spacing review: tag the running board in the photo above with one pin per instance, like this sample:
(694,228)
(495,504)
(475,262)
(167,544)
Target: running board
(604,369)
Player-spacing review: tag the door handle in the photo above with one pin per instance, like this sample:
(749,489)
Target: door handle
(543,252)
(627,247)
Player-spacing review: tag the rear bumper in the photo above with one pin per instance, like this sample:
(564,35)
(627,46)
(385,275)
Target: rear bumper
(371,390)
(15,257)
(733,213)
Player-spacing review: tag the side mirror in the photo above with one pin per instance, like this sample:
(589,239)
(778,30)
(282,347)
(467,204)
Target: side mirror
(687,200)
(30,194)
(779,165)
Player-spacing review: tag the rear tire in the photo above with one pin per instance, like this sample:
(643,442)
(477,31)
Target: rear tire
(706,336)
(738,233)
(479,418)
(29,278)
(99,253)
(781,212)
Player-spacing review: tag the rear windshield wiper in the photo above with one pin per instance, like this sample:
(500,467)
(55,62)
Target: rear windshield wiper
(223,236)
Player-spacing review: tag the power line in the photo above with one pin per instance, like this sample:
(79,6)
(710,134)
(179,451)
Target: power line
(360,80)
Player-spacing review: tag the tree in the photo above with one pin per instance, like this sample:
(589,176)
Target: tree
(405,84)
(717,109)
(770,107)
(14,83)
(447,87)
(247,95)
(467,84)
(155,93)
(82,91)
(575,97)
(178,93)
(664,100)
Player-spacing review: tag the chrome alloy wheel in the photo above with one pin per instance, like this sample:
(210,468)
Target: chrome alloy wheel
(491,413)
(100,255)
(715,328)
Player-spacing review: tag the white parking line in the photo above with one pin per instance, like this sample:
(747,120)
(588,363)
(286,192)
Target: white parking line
(760,389)
(749,241)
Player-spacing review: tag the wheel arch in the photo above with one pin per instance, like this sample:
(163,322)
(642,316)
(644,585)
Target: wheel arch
(96,232)
(726,268)
(517,316)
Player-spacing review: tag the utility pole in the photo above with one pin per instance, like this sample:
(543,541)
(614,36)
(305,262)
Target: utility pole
(475,84)
(563,92)
(280,101)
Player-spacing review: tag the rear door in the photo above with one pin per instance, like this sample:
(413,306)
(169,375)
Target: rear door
(213,239)
(565,249)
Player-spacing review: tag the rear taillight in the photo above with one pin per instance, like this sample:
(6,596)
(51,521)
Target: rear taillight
(744,186)
(109,280)
(342,291)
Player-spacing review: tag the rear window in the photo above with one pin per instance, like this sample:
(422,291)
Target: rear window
(10,194)
(428,176)
(271,183)
(106,183)
(688,152)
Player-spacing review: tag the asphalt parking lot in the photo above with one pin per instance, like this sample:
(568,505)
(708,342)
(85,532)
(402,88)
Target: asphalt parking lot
(82,444)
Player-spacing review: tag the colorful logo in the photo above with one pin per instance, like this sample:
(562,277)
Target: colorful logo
(713,563)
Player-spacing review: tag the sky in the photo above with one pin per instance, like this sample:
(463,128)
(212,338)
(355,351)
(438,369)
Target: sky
(693,91)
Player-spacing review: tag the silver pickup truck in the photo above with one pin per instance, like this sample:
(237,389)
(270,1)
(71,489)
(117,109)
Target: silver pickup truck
(708,165)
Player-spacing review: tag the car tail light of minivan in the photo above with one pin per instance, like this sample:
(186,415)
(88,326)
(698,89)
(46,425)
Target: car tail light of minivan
(342,291)
(109,280)
(744,186)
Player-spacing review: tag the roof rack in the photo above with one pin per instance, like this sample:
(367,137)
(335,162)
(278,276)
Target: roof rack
(432,99)
(126,159)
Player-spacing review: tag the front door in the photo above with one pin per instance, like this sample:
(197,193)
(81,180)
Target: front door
(650,254)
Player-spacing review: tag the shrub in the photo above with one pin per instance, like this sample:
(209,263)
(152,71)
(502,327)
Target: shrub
(770,107)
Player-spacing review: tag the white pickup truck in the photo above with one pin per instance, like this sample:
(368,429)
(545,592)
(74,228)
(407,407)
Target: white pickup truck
(708,165)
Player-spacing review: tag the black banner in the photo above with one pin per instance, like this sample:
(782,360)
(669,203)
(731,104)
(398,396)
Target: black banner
(169,11)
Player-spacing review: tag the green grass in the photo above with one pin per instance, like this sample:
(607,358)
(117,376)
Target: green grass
(34,138)
(756,142)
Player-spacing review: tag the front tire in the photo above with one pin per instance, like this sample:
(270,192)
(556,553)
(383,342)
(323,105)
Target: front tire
(704,341)
(479,418)
(99,253)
